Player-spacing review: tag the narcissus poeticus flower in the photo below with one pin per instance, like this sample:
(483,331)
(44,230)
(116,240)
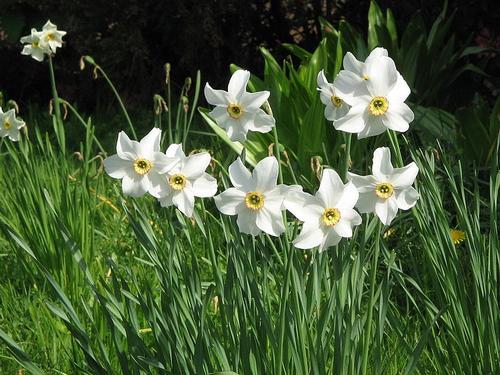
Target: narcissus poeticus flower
(10,124)
(256,197)
(51,36)
(137,164)
(238,111)
(328,216)
(376,93)
(335,106)
(387,189)
(34,45)
(186,180)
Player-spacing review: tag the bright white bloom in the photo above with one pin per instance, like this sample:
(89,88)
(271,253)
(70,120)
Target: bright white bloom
(255,198)
(35,45)
(376,93)
(10,125)
(328,216)
(51,36)
(238,111)
(388,189)
(186,180)
(137,164)
(335,106)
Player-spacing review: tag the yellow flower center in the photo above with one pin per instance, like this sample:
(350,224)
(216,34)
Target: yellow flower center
(336,101)
(457,236)
(50,36)
(142,166)
(254,200)
(177,181)
(235,111)
(378,106)
(330,217)
(7,125)
(365,77)
(34,44)
(384,190)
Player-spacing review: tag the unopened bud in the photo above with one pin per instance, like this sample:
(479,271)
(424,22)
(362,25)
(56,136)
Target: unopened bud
(187,84)
(317,166)
(12,104)
(90,60)
(82,63)
(167,73)
(185,103)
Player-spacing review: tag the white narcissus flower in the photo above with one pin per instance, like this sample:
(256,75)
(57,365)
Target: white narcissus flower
(186,180)
(387,189)
(138,163)
(328,216)
(35,46)
(238,111)
(335,106)
(256,197)
(376,93)
(51,36)
(10,125)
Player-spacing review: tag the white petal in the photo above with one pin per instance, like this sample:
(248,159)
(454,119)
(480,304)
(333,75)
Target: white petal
(238,84)
(386,210)
(382,167)
(216,97)
(135,185)
(350,215)
(349,84)
(251,101)
(175,151)
(407,198)
(364,184)
(400,92)
(247,222)
(194,165)
(159,185)
(270,221)
(349,196)
(331,239)
(353,122)
(230,201)
(240,176)
(366,202)
(310,236)
(352,64)
(261,122)
(205,186)
(330,189)
(265,174)
(184,201)
(235,131)
(343,228)
(321,79)
(382,76)
(374,126)
(394,121)
(125,148)
(404,177)
(162,163)
(304,206)
(151,142)
(166,201)
(220,115)
(376,53)
(117,167)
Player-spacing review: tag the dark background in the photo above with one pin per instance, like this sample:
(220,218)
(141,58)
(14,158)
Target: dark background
(133,39)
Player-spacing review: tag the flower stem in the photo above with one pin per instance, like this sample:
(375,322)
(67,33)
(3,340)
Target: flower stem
(59,122)
(371,302)
(122,106)
(393,138)
(347,155)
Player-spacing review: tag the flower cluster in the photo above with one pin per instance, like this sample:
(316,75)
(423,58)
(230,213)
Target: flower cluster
(41,43)
(366,98)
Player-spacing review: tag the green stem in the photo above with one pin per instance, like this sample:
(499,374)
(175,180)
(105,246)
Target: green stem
(59,123)
(371,304)
(347,155)
(122,106)
(393,139)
